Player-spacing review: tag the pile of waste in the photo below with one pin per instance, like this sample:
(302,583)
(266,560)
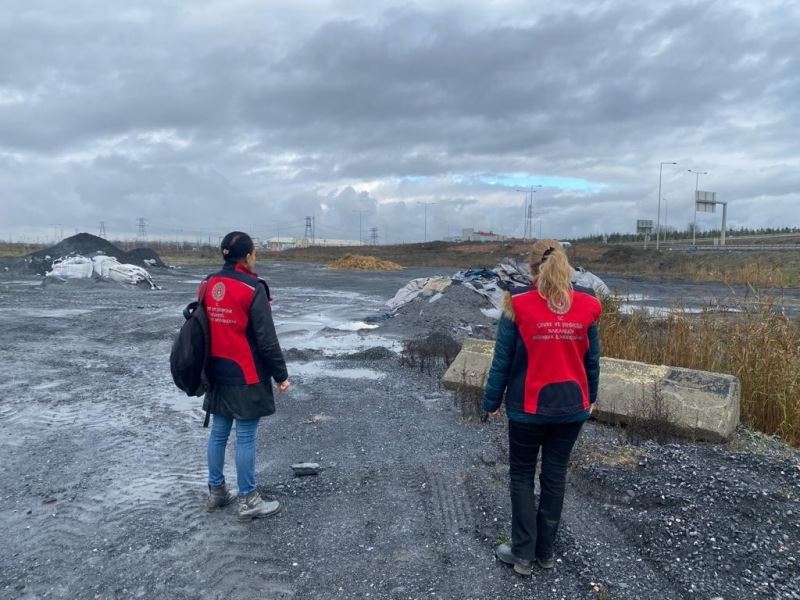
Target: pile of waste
(490,284)
(466,304)
(88,245)
(357,262)
(107,268)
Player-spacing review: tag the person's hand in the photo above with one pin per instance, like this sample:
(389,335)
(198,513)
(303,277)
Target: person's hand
(495,413)
(283,386)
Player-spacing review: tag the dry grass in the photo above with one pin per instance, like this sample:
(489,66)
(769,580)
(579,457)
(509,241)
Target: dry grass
(755,273)
(759,345)
(357,262)
(7,249)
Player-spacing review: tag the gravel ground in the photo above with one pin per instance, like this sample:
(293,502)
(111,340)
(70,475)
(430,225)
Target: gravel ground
(103,477)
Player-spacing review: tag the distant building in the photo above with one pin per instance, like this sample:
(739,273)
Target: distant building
(278,244)
(337,243)
(470,235)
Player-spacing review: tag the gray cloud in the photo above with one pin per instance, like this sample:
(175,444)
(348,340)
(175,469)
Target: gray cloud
(205,116)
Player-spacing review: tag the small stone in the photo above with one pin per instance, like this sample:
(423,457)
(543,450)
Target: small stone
(488,459)
(306,468)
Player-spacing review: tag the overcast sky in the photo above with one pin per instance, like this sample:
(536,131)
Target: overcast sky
(205,116)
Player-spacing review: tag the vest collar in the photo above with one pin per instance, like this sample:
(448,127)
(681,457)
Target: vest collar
(240,267)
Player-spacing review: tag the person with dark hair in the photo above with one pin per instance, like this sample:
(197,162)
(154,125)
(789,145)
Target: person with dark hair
(547,363)
(244,357)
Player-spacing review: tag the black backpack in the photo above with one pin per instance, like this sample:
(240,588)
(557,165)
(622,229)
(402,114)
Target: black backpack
(190,351)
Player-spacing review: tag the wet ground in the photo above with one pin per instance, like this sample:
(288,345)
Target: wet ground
(102,480)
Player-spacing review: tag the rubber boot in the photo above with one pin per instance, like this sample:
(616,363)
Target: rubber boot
(253,506)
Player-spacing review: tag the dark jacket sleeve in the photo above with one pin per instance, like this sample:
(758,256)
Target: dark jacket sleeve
(592,362)
(266,337)
(504,345)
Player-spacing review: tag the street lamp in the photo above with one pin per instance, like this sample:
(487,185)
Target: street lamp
(696,187)
(658,220)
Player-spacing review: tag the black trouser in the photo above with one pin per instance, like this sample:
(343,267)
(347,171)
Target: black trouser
(533,532)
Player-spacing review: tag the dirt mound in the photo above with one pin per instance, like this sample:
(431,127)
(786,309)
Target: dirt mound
(358,262)
(458,310)
(86,244)
(145,257)
(377,353)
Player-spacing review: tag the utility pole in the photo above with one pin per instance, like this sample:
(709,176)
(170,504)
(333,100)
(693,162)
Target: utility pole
(696,187)
(426,205)
(658,220)
(102,233)
(360,228)
(373,236)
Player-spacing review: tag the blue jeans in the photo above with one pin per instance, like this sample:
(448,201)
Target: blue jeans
(533,531)
(245,452)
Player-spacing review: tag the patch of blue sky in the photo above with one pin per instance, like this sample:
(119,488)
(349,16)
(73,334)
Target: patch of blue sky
(525,181)
(412,178)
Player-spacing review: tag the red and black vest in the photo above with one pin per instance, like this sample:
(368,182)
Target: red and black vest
(228,296)
(548,374)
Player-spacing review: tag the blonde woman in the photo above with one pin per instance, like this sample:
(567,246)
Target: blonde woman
(547,363)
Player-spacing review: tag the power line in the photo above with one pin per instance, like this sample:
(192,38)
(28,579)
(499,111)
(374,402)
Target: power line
(373,236)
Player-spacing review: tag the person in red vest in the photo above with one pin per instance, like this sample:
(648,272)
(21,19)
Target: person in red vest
(547,363)
(245,357)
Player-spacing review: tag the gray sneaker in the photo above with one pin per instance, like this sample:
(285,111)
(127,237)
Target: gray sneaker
(253,506)
(505,555)
(219,497)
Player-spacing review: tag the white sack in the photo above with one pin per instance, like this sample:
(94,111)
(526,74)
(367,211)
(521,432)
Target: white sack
(103,267)
(586,279)
(408,292)
(71,267)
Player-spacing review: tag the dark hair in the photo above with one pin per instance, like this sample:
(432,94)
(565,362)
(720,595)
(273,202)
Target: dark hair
(235,246)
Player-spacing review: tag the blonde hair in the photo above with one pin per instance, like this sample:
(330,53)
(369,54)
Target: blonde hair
(552,274)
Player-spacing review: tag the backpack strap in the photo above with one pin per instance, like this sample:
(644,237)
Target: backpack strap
(201,297)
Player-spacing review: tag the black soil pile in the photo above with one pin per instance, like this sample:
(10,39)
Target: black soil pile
(87,244)
(145,257)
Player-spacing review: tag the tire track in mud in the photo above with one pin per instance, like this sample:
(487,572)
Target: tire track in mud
(450,510)
(452,516)
(224,567)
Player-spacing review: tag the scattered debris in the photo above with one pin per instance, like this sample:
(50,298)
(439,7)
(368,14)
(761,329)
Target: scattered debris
(489,283)
(357,262)
(319,419)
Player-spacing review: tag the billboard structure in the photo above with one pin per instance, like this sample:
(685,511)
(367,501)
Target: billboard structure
(644,226)
(707,202)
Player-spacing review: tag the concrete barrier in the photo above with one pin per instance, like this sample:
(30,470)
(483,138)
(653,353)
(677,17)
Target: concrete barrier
(471,366)
(697,404)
